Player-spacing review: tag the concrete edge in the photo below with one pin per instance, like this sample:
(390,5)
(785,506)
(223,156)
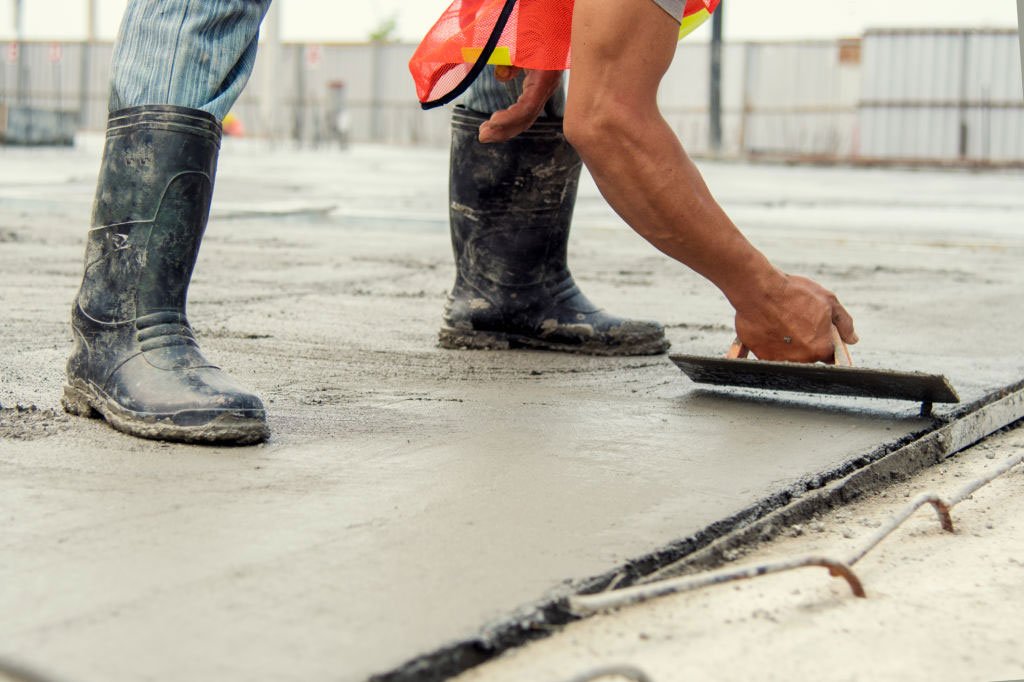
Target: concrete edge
(723,540)
(897,466)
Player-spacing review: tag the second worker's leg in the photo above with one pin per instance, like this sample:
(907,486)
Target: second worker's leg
(511,207)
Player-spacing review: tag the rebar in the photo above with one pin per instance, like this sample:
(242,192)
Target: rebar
(593,603)
(628,671)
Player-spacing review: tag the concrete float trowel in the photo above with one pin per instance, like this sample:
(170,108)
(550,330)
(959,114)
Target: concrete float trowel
(838,379)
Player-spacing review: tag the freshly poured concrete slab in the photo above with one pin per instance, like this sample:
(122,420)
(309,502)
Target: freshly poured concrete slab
(413,497)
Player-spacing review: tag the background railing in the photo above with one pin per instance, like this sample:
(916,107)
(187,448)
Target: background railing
(913,96)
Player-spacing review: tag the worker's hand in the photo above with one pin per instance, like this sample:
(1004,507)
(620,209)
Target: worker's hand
(794,323)
(538,86)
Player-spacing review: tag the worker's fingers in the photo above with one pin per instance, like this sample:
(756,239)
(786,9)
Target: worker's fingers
(844,323)
(505,124)
(538,86)
(506,73)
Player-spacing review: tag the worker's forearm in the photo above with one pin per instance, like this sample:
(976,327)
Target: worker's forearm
(648,179)
(620,52)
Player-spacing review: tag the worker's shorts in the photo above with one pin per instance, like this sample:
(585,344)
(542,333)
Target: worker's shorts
(673,7)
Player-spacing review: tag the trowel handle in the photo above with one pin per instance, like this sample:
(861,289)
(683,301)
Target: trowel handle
(737,350)
(842,353)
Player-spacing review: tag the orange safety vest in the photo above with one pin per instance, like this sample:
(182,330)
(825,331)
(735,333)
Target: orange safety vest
(530,34)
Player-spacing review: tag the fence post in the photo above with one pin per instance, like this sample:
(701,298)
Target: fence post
(271,99)
(962,146)
(1020,36)
(745,105)
(299,112)
(716,80)
(85,64)
(22,65)
(376,130)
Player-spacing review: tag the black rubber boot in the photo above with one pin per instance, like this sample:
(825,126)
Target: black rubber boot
(136,361)
(511,207)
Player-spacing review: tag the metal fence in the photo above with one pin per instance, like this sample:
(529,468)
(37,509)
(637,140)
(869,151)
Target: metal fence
(905,96)
(790,99)
(942,95)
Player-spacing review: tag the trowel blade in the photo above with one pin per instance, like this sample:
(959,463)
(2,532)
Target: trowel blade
(817,378)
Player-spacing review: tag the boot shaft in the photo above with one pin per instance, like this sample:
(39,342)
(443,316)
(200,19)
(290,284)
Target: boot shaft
(511,208)
(152,202)
(511,203)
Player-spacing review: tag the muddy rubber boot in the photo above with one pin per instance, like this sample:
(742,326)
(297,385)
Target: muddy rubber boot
(510,209)
(135,360)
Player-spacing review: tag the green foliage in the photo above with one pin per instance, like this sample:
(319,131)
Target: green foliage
(385,31)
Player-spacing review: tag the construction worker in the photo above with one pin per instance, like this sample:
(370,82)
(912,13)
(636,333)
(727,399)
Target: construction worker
(620,52)
(178,67)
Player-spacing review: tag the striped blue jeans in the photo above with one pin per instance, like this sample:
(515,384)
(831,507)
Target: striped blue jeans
(200,53)
(189,53)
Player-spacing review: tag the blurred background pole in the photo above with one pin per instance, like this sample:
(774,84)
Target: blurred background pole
(715,99)
(1020,34)
(19,33)
(86,63)
(376,47)
(271,55)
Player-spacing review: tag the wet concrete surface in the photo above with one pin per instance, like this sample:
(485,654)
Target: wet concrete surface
(940,605)
(411,496)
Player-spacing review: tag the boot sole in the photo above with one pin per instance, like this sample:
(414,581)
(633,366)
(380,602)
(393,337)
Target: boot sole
(458,339)
(234,427)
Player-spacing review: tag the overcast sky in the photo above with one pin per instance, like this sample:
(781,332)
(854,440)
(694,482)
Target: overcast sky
(352,20)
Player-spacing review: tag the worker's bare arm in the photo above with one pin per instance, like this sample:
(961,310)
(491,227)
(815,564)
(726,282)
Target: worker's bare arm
(620,52)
